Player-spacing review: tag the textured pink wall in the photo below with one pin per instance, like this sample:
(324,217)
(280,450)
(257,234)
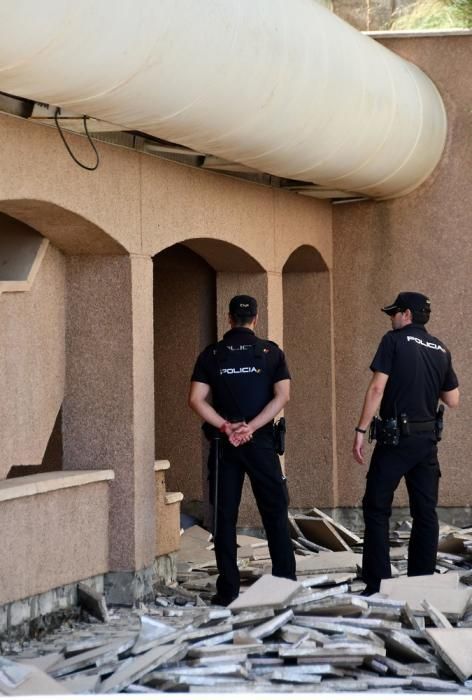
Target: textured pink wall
(32,364)
(419,242)
(52,539)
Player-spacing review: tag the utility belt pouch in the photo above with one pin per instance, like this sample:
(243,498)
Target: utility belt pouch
(404,425)
(280,429)
(386,432)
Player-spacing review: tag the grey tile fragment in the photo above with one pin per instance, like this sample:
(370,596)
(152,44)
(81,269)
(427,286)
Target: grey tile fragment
(271,626)
(318,622)
(215,640)
(293,633)
(243,619)
(268,591)
(385,684)
(436,616)
(206,632)
(396,668)
(196,652)
(434,684)
(292,675)
(454,647)
(81,684)
(140,666)
(314,596)
(23,680)
(96,657)
(230,658)
(46,661)
(401,644)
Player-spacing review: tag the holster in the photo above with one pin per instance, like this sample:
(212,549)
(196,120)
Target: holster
(280,428)
(439,422)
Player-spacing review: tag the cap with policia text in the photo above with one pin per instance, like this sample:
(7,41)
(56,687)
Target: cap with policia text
(408,300)
(243,305)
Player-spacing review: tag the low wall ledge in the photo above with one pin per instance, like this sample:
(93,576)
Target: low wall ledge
(35,484)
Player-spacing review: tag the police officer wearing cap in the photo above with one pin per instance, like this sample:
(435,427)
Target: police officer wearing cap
(249,384)
(412,372)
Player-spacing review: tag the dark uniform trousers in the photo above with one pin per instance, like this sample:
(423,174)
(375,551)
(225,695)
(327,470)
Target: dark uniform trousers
(415,458)
(262,465)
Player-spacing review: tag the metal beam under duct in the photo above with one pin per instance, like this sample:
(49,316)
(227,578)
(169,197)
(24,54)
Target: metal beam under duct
(279,86)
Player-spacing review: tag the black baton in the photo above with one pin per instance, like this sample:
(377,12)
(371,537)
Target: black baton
(216,445)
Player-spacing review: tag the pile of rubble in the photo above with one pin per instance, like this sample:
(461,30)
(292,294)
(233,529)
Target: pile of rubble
(315,634)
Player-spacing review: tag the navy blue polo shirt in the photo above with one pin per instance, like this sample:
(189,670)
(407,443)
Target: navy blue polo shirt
(241,378)
(419,368)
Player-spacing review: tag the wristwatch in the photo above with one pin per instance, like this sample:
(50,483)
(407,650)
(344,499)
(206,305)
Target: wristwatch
(360,430)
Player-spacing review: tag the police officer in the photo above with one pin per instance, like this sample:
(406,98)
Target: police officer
(412,370)
(249,383)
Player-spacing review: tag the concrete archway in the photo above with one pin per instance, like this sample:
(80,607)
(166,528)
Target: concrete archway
(83,355)
(67,230)
(308,345)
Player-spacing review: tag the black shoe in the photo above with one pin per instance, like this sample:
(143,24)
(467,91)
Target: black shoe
(219,599)
(368,591)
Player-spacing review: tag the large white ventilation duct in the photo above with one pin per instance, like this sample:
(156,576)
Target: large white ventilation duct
(283,86)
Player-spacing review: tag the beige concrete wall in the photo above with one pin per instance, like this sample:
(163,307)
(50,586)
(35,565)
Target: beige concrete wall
(32,364)
(180,203)
(420,242)
(52,539)
(144,204)
(42,186)
(307,318)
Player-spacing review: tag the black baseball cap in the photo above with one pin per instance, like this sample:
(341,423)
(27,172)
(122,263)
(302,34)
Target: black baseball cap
(408,300)
(243,305)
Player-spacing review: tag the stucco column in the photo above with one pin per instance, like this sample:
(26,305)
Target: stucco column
(108,420)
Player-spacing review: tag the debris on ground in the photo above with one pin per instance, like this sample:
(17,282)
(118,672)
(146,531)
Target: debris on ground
(316,634)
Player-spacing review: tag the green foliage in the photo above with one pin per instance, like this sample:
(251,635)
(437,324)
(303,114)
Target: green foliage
(435,14)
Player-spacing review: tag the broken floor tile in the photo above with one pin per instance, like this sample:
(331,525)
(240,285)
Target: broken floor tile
(454,647)
(336,605)
(329,562)
(436,616)
(251,617)
(81,684)
(46,661)
(320,531)
(434,684)
(24,680)
(140,666)
(95,657)
(271,626)
(451,602)
(399,643)
(268,591)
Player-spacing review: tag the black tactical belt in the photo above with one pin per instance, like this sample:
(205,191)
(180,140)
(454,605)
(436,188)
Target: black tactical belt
(424,427)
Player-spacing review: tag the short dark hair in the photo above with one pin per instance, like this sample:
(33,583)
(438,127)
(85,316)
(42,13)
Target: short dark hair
(242,320)
(420,317)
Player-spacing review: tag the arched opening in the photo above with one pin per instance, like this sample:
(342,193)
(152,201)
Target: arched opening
(308,345)
(193,282)
(70,232)
(184,323)
(38,241)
